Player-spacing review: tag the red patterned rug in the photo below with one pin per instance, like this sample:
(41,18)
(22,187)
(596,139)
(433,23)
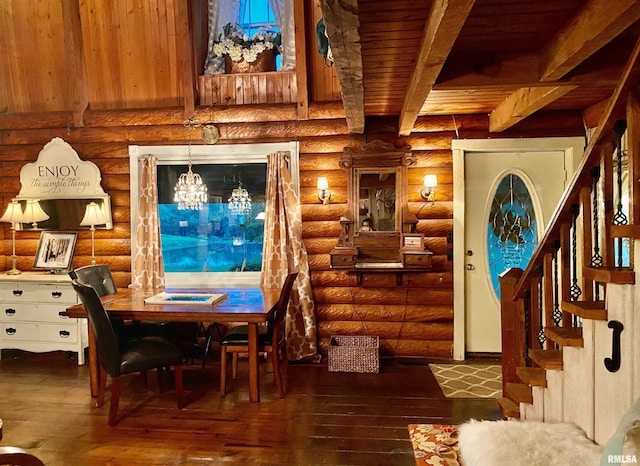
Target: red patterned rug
(435,444)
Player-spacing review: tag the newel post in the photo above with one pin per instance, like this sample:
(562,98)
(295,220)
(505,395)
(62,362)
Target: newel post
(513,327)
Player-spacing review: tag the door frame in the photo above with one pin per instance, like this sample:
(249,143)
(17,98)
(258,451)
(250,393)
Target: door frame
(573,148)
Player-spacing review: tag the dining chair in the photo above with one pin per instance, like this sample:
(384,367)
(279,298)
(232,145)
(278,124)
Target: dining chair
(14,456)
(271,339)
(100,278)
(117,357)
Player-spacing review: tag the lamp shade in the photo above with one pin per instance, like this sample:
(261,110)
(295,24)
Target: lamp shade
(33,213)
(431,181)
(93,215)
(13,213)
(323,183)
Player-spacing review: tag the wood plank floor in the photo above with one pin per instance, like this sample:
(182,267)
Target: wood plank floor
(326,418)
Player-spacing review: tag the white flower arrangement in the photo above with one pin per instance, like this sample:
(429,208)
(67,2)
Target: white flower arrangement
(236,44)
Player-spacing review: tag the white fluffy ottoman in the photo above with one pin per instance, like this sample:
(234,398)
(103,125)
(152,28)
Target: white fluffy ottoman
(526,443)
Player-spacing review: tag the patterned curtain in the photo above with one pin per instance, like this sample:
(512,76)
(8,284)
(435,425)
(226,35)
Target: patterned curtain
(148,267)
(283,252)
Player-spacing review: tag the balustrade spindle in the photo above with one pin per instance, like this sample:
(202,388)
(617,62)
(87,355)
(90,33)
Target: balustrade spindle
(542,338)
(557,313)
(596,258)
(527,328)
(619,218)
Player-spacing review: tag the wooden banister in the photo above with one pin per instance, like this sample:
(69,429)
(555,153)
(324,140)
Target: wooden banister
(603,137)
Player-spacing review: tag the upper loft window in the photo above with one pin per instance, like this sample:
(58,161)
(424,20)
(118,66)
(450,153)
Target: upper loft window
(255,15)
(252,16)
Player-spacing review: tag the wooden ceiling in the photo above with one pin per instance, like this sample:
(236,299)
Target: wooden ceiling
(394,58)
(505,58)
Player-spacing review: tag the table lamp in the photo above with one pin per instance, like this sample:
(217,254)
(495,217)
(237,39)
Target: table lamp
(33,213)
(93,216)
(14,215)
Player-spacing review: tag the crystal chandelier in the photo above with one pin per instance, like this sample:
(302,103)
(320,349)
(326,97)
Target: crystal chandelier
(191,192)
(240,201)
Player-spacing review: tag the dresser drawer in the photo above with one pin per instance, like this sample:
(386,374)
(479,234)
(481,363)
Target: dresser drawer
(12,292)
(417,260)
(64,294)
(33,331)
(29,312)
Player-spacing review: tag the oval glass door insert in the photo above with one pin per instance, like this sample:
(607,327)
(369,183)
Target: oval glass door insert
(512,233)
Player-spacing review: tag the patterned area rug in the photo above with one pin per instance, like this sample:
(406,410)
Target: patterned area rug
(469,380)
(435,444)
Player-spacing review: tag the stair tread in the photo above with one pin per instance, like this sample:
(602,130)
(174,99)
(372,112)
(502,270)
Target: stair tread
(532,376)
(592,310)
(565,336)
(547,359)
(519,392)
(509,408)
(625,231)
(610,274)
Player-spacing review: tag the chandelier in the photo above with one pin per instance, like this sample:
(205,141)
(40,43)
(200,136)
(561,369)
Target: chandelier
(240,201)
(191,192)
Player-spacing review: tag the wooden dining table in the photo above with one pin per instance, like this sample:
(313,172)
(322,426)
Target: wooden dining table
(252,306)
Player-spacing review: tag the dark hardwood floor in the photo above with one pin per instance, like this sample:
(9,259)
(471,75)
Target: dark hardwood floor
(326,418)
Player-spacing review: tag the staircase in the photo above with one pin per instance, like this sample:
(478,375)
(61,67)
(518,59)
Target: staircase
(570,329)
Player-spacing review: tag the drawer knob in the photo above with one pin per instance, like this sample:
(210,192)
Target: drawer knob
(17,292)
(10,331)
(63,314)
(64,333)
(56,294)
(10,312)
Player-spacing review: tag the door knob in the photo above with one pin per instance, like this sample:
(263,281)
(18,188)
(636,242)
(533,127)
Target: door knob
(471,267)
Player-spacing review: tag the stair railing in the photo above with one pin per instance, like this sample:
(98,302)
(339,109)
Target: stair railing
(582,247)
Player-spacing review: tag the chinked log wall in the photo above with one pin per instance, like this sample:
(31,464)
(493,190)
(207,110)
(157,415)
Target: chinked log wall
(413,319)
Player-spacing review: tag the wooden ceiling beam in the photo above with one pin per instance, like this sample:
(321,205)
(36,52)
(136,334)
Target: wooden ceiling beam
(582,36)
(594,26)
(498,73)
(523,103)
(444,23)
(341,23)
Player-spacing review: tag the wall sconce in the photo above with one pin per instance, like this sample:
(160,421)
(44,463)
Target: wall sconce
(14,215)
(33,213)
(93,216)
(323,190)
(428,191)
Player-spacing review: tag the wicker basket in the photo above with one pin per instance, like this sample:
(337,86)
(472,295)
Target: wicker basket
(357,353)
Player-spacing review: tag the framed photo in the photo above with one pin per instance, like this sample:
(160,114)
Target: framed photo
(55,250)
(206,299)
(412,241)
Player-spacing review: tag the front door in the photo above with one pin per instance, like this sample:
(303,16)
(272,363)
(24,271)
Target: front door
(511,189)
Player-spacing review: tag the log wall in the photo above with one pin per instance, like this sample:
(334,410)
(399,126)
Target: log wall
(412,319)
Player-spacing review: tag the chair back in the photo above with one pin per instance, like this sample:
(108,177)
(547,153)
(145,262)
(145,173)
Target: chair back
(106,339)
(98,276)
(280,309)
(14,456)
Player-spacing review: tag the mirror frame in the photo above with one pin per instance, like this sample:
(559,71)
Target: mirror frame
(377,157)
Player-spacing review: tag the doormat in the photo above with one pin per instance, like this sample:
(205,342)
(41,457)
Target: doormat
(469,380)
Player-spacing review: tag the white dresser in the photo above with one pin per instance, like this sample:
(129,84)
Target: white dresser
(33,317)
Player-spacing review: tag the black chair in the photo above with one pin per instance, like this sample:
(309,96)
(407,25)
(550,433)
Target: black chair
(271,339)
(100,278)
(14,456)
(118,357)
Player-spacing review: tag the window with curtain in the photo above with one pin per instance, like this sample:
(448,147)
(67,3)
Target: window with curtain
(221,243)
(251,15)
